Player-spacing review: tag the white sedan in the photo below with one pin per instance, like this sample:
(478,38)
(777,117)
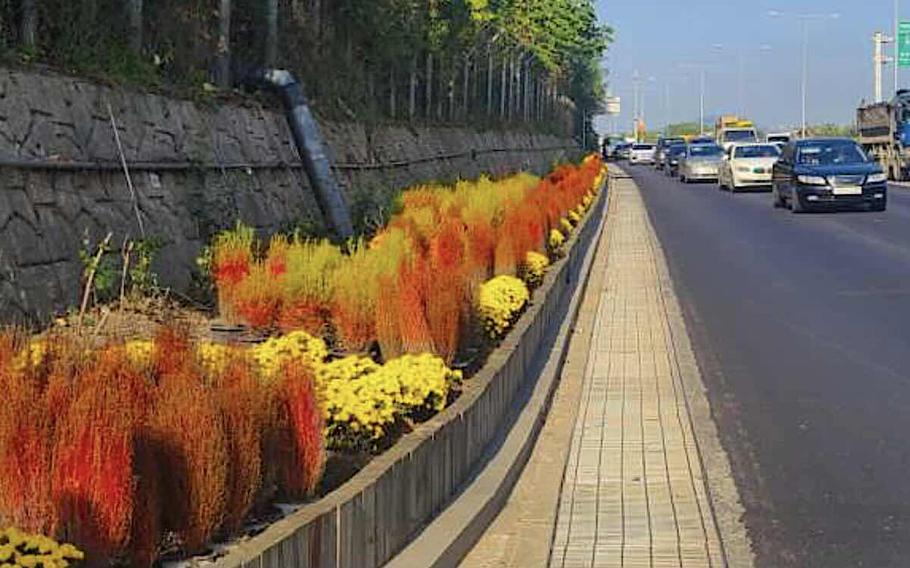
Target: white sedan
(748,165)
(642,154)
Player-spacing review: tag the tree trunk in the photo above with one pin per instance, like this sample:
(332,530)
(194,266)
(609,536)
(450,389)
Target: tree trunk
(412,95)
(490,81)
(271,33)
(29,31)
(224,44)
(429,86)
(135,9)
(504,88)
(465,103)
(393,100)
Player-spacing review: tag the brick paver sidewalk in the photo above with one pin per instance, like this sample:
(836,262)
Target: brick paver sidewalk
(634,491)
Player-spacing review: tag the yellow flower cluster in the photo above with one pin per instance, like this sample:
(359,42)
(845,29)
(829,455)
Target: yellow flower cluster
(32,356)
(32,551)
(139,352)
(213,357)
(555,242)
(533,268)
(274,353)
(574,218)
(566,226)
(498,303)
(362,400)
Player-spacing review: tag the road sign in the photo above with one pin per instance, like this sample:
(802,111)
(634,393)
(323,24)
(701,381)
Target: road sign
(614,105)
(903,44)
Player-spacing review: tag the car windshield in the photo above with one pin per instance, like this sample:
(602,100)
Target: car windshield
(676,150)
(705,151)
(784,139)
(831,153)
(768,151)
(739,135)
(643,147)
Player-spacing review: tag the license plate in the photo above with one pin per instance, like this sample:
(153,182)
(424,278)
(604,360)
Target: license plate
(848,190)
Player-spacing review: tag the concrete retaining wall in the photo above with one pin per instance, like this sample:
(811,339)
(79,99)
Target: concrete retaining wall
(196,169)
(367,521)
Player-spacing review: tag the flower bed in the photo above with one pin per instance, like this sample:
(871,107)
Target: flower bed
(136,448)
(415,286)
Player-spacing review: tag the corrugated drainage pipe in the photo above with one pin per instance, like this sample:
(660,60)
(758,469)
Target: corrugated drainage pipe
(309,143)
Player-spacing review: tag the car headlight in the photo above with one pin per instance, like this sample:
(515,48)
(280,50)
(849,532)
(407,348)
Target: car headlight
(877,178)
(812,180)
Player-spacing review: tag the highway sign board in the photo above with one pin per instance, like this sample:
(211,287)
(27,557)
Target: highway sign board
(903,44)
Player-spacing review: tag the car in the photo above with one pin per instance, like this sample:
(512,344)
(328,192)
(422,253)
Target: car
(642,153)
(701,162)
(662,145)
(672,155)
(779,137)
(740,135)
(702,140)
(622,151)
(817,172)
(748,165)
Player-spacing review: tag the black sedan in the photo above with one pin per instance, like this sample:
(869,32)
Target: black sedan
(818,172)
(672,155)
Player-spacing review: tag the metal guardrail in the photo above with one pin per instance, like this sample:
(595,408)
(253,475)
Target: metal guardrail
(87,165)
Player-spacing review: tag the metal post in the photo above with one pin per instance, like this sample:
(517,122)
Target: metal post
(897,15)
(805,73)
(877,64)
(701,120)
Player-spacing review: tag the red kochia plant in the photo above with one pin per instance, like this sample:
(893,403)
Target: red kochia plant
(297,449)
(93,467)
(257,299)
(26,426)
(232,255)
(242,402)
(413,282)
(188,435)
(446,285)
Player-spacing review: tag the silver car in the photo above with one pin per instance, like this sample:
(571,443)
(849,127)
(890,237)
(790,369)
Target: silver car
(701,163)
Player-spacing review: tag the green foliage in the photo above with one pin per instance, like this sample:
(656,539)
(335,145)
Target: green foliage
(143,280)
(683,129)
(96,261)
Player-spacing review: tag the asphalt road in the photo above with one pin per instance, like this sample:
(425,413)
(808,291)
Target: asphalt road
(801,325)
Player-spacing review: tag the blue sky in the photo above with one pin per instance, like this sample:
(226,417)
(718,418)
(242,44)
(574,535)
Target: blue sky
(664,39)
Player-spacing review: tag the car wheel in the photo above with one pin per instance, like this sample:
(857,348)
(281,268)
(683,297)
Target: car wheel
(776,198)
(796,206)
(879,206)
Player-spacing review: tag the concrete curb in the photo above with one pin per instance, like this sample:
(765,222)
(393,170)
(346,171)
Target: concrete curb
(448,539)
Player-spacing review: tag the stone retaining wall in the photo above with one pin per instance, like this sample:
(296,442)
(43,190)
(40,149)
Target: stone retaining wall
(195,169)
(371,518)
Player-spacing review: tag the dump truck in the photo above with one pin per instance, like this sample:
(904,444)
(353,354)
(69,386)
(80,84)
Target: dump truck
(883,130)
(731,129)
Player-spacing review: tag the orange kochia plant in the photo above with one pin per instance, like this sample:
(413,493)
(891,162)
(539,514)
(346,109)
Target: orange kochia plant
(411,289)
(111,451)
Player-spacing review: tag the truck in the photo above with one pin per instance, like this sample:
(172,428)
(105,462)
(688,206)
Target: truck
(731,129)
(883,130)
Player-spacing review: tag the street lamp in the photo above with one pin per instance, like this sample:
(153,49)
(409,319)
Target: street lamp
(804,20)
(701,93)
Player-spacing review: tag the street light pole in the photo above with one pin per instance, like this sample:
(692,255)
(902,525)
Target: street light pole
(897,12)
(805,72)
(701,113)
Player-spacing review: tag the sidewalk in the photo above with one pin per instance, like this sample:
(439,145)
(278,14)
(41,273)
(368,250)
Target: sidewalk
(628,434)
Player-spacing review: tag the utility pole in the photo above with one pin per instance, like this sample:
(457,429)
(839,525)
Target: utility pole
(879,60)
(701,104)
(897,19)
(805,80)
(635,117)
